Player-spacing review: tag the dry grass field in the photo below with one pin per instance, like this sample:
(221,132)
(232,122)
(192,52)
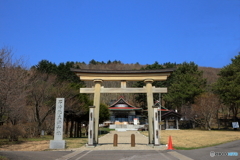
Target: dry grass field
(41,145)
(26,146)
(190,139)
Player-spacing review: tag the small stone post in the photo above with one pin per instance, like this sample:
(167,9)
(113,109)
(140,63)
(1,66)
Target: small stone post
(132,140)
(155,126)
(91,133)
(58,142)
(115,140)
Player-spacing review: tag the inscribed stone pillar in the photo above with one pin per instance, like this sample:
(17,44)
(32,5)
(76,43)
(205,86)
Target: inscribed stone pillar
(91,132)
(150,109)
(96,103)
(155,126)
(58,142)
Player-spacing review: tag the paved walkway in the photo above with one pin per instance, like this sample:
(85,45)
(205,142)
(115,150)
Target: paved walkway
(106,151)
(124,142)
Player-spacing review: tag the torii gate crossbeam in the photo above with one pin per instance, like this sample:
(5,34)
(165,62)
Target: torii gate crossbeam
(148,76)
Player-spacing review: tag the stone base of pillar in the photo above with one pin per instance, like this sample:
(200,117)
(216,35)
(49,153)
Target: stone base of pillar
(159,146)
(156,146)
(90,145)
(57,144)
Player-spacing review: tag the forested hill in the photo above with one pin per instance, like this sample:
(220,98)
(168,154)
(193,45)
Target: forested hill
(209,73)
(110,65)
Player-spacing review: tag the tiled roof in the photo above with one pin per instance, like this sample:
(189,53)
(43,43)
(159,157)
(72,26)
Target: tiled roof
(121,101)
(162,107)
(171,113)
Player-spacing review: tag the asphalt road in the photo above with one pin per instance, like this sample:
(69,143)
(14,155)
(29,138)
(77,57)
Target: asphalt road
(204,153)
(197,154)
(33,155)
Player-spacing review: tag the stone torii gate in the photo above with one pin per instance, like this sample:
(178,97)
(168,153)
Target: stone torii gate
(148,76)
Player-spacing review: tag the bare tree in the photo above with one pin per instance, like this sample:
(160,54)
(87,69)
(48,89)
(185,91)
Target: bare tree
(43,89)
(13,80)
(12,87)
(205,109)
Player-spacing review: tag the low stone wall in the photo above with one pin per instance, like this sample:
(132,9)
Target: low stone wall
(125,126)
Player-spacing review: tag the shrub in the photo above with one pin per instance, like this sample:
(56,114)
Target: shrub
(11,132)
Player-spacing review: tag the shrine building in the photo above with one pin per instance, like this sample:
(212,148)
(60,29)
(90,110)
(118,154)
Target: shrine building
(125,115)
(123,112)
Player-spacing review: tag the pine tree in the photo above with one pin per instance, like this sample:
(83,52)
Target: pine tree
(228,85)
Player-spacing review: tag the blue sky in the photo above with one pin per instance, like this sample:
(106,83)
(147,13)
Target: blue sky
(206,32)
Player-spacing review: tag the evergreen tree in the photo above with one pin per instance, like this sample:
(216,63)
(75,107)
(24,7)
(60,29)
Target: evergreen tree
(93,62)
(141,97)
(45,66)
(64,73)
(228,85)
(104,113)
(186,82)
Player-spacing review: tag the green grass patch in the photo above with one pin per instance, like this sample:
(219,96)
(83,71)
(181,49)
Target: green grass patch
(7,142)
(42,138)
(75,142)
(3,158)
(106,129)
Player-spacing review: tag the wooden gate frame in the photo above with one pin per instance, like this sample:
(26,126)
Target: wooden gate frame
(148,76)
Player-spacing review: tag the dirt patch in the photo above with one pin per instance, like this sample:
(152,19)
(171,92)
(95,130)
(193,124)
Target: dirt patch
(27,146)
(42,145)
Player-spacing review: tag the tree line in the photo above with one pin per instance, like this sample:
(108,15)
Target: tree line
(28,96)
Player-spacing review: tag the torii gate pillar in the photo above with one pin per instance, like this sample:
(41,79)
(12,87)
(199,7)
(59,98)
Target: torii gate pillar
(96,103)
(150,109)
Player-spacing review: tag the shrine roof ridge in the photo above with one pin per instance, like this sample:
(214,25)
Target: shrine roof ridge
(122,71)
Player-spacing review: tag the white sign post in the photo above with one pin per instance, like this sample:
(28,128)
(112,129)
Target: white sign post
(135,121)
(58,142)
(235,124)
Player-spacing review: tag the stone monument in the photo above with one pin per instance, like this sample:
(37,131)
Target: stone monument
(58,142)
